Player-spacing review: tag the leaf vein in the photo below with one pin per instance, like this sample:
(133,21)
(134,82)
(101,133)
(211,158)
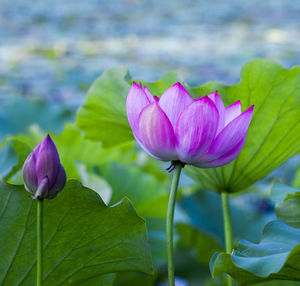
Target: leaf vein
(18,246)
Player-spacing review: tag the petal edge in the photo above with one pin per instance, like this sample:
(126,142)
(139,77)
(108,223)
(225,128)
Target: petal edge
(173,101)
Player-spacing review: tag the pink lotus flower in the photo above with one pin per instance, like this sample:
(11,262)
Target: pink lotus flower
(199,132)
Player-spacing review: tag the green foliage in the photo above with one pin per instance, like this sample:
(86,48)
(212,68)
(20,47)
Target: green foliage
(74,148)
(21,113)
(12,157)
(8,160)
(133,279)
(288,204)
(157,88)
(84,240)
(191,237)
(275,257)
(281,192)
(148,194)
(141,188)
(273,134)
(204,211)
(100,153)
(222,281)
(289,211)
(103,117)
(296,182)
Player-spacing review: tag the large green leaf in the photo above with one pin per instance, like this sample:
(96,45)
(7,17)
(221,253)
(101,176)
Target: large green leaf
(275,257)
(133,279)
(103,117)
(274,132)
(288,204)
(150,197)
(83,238)
(103,280)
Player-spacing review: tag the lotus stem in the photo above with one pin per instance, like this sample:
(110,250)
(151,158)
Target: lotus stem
(170,218)
(39,269)
(227,229)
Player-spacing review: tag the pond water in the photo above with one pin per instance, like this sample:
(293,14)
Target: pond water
(55,49)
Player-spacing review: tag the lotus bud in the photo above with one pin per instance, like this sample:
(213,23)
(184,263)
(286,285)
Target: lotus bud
(43,174)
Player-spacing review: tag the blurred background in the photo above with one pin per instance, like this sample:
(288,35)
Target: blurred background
(51,52)
(55,49)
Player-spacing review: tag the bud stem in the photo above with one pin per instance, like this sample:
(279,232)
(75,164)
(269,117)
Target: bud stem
(170,217)
(227,229)
(39,273)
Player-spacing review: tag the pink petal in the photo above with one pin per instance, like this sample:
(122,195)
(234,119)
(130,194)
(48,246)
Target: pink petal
(224,159)
(150,97)
(29,174)
(217,100)
(136,101)
(230,136)
(42,190)
(47,161)
(145,149)
(156,133)
(173,101)
(36,150)
(195,130)
(232,111)
(59,183)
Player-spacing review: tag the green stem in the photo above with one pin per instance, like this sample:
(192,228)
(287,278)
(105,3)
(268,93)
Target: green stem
(170,217)
(227,229)
(39,272)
